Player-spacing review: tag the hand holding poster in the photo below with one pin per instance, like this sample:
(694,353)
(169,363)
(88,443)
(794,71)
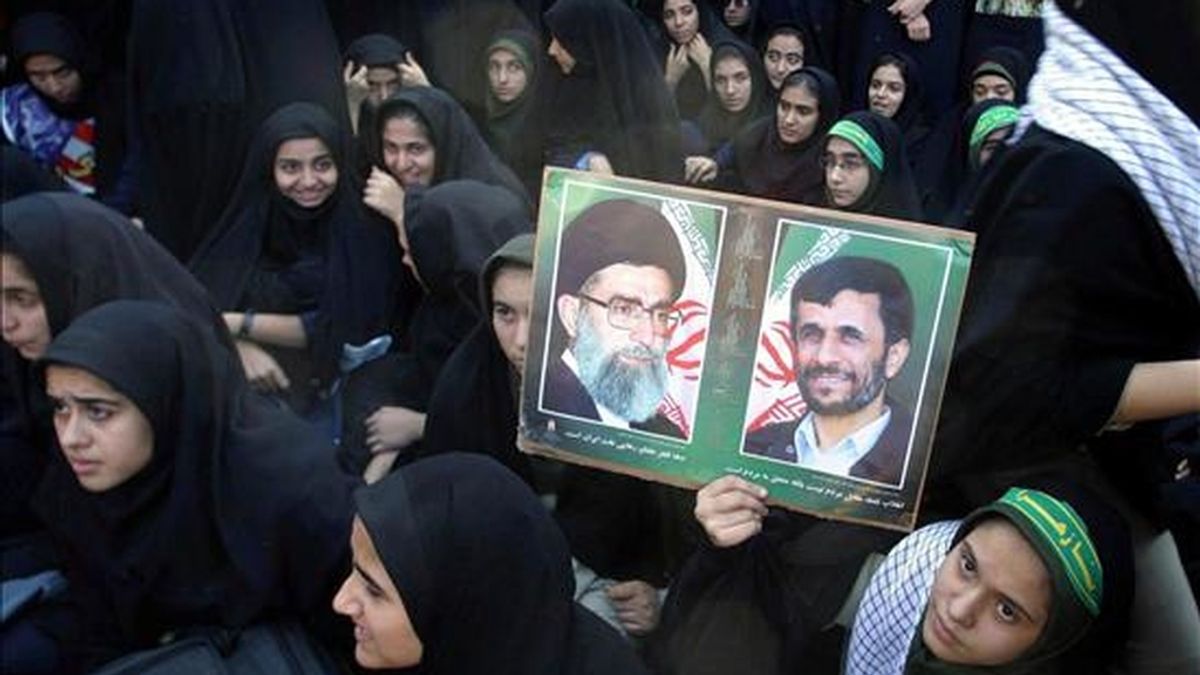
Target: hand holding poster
(680,335)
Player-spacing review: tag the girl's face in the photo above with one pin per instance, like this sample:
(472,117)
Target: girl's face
(783,56)
(796,115)
(736,12)
(886,91)
(408,153)
(990,600)
(681,20)
(732,81)
(305,171)
(847,175)
(104,437)
(25,327)
(506,75)
(512,294)
(989,86)
(383,632)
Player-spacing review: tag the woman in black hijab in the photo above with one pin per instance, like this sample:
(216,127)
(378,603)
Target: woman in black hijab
(265,264)
(515,104)
(613,111)
(447,234)
(483,376)
(778,157)
(427,138)
(372,74)
(181,499)
(690,30)
(459,569)
(1002,74)
(63,254)
(203,75)
(866,168)
(740,95)
(984,128)
(894,91)
(66,114)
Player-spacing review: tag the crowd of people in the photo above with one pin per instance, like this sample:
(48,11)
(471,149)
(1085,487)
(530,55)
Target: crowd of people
(267,289)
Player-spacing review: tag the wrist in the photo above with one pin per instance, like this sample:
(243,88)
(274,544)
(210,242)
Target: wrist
(247,325)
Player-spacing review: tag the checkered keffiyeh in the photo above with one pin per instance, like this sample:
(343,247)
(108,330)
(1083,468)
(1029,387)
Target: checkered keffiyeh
(892,607)
(1085,92)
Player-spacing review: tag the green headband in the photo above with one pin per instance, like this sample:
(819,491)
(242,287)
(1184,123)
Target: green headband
(995,118)
(854,133)
(1059,531)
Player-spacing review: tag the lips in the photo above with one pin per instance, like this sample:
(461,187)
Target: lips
(83,467)
(941,630)
(361,634)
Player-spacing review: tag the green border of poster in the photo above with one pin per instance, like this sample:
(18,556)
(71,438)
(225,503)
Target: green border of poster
(755,249)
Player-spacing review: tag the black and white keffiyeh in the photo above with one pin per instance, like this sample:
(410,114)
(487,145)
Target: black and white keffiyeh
(1085,92)
(894,603)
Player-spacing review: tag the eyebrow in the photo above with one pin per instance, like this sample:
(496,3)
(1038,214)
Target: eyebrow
(370,580)
(1019,606)
(87,400)
(661,304)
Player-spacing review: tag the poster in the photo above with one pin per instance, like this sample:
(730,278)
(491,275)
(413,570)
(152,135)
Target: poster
(680,335)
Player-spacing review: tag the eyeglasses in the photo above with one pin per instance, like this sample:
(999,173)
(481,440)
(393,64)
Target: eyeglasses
(624,314)
(848,164)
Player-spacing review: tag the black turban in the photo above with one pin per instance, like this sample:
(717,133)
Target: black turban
(618,231)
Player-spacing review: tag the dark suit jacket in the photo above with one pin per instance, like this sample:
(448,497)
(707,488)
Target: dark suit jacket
(564,393)
(883,463)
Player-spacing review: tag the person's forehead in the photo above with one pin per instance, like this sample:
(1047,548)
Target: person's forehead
(730,64)
(888,72)
(845,305)
(798,95)
(502,55)
(633,280)
(382,74)
(840,147)
(786,43)
(301,148)
(43,64)
(15,274)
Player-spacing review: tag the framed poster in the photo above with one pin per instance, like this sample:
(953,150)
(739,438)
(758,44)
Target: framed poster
(680,334)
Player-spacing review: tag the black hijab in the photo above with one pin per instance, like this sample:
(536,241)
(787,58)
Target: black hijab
(615,100)
(376,50)
(240,512)
(766,167)
(690,92)
(891,192)
(909,117)
(479,381)
(515,129)
(717,124)
(49,33)
(203,75)
(1006,62)
(268,253)
(101,98)
(962,165)
(83,254)
(484,573)
(452,229)
(461,153)
(24,176)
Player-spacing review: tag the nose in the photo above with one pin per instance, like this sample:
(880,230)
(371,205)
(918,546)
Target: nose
(963,606)
(343,602)
(71,433)
(8,320)
(522,336)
